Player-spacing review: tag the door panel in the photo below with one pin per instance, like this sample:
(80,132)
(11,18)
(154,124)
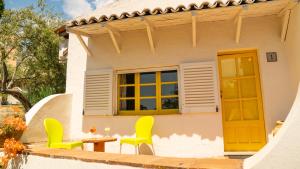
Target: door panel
(243,119)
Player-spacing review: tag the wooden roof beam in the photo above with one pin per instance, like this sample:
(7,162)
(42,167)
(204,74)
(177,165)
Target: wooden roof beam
(78,32)
(285,14)
(285,24)
(194,29)
(290,6)
(150,32)
(115,36)
(238,22)
(84,45)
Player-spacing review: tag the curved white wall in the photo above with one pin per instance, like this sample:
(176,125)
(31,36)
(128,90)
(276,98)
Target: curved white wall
(55,106)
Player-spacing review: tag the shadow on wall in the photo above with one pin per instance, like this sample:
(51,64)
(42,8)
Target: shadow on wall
(197,135)
(208,125)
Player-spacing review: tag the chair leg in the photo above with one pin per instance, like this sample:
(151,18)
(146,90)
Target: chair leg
(120,148)
(153,149)
(137,149)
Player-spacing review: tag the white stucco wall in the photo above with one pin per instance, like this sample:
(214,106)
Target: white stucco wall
(197,135)
(76,67)
(292,47)
(54,106)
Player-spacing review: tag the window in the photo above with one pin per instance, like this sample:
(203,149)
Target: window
(148,93)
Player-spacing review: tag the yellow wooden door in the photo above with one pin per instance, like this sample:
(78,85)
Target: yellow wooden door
(242,107)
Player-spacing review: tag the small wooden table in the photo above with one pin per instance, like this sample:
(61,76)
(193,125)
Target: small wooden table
(99,143)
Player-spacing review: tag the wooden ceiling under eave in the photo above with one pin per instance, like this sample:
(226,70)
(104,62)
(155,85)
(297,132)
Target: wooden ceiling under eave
(151,22)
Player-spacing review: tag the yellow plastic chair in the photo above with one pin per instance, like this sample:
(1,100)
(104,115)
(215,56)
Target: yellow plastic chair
(55,132)
(143,129)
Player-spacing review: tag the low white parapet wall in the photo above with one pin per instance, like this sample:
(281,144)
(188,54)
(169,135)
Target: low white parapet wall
(55,106)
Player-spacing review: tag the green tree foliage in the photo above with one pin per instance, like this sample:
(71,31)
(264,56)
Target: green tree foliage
(27,36)
(1,7)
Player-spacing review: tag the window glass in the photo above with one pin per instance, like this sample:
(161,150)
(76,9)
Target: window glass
(127,78)
(154,91)
(148,91)
(232,111)
(169,103)
(230,89)
(248,87)
(148,77)
(169,89)
(250,110)
(169,76)
(246,67)
(127,91)
(228,67)
(127,104)
(148,104)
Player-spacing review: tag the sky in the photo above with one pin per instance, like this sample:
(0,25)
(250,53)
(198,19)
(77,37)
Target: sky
(68,8)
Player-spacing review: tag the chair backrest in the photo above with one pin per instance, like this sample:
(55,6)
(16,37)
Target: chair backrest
(54,131)
(143,127)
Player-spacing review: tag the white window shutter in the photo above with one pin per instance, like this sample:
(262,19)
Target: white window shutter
(198,87)
(98,92)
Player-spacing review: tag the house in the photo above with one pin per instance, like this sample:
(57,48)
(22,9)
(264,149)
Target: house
(215,75)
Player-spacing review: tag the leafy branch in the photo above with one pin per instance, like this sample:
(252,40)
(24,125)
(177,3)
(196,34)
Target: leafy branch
(29,54)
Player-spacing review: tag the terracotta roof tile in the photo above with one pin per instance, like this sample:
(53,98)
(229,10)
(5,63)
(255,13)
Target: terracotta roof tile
(122,9)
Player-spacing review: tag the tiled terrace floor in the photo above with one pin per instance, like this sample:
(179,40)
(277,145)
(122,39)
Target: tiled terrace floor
(146,161)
